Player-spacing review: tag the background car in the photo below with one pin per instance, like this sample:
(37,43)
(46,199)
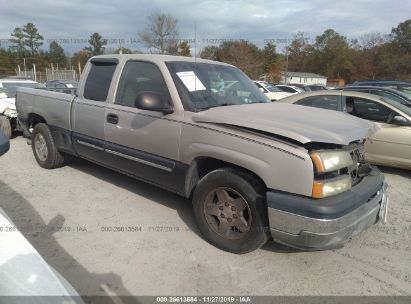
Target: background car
(289,88)
(64,86)
(4,143)
(402,86)
(314,87)
(271,91)
(8,113)
(391,144)
(386,92)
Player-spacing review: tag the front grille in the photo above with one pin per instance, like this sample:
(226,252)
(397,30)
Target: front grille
(359,166)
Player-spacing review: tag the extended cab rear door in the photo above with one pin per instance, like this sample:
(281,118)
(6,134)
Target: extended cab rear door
(143,143)
(89,111)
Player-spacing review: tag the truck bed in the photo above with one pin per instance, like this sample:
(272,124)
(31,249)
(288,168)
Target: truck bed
(55,107)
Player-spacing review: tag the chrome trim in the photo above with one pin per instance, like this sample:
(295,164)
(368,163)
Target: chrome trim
(296,224)
(89,145)
(382,214)
(139,160)
(142,161)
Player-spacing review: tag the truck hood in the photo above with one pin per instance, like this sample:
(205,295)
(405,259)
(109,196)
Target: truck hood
(300,123)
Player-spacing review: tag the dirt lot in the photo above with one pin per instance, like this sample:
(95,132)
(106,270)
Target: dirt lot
(67,214)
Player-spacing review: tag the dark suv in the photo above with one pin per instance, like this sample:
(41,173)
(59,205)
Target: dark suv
(386,92)
(403,86)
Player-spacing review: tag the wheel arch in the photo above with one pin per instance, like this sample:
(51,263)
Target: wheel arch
(201,166)
(33,119)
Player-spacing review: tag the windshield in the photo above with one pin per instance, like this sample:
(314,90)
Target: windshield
(11,87)
(202,85)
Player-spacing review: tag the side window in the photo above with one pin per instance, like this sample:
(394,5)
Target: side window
(367,109)
(329,102)
(98,80)
(287,89)
(139,76)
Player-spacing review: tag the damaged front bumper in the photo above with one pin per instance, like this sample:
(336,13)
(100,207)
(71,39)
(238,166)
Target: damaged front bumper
(316,224)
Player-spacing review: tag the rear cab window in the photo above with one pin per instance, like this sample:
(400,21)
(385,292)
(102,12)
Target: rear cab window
(99,79)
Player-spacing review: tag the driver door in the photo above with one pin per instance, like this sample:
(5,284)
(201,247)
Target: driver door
(142,143)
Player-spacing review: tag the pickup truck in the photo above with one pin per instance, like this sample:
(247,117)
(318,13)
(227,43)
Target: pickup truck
(254,170)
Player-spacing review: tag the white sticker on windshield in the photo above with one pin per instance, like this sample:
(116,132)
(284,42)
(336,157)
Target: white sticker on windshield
(191,81)
(69,85)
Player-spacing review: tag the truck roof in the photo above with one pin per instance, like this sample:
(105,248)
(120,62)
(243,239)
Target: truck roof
(158,58)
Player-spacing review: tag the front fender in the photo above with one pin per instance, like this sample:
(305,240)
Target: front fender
(279,166)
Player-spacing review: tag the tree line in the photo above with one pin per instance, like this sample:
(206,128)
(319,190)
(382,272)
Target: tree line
(372,56)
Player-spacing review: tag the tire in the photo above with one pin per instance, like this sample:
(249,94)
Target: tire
(5,125)
(214,198)
(44,148)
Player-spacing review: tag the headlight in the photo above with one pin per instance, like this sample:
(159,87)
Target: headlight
(331,187)
(328,161)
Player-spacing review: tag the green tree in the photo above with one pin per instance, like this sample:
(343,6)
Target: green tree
(333,55)
(161,33)
(300,54)
(96,45)
(272,64)
(56,54)
(210,52)
(184,49)
(7,62)
(80,58)
(18,41)
(123,50)
(401,35)
(32,39)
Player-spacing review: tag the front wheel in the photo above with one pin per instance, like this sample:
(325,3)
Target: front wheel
(230,210)
(44,148)
(5,125)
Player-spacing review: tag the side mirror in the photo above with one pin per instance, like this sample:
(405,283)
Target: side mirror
(261,89)
(4,143)
(400,121)
(152,101)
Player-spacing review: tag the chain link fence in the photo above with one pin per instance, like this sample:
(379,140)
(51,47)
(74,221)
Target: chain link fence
(49,74)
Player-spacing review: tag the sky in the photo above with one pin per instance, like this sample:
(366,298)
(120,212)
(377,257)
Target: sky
(71,22)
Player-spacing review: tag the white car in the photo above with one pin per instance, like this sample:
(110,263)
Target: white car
(289,88)
(26,272)
(271,91)
(8,113)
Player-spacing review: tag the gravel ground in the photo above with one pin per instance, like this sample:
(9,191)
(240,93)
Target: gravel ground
(76,218)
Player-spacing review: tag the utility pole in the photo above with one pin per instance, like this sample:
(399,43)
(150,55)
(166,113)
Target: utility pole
(286,67)
(34,71)
(24,64)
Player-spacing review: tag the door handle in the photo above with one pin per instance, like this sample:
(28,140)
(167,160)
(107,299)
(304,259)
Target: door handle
(112,118)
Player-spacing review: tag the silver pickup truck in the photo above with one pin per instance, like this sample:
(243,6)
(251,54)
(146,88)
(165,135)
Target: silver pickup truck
(253,169)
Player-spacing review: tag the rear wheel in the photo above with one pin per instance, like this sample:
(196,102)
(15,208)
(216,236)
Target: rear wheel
(230,210)
(44,148)
(5,125)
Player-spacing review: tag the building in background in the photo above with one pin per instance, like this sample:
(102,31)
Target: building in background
(303,78)
(335,82)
